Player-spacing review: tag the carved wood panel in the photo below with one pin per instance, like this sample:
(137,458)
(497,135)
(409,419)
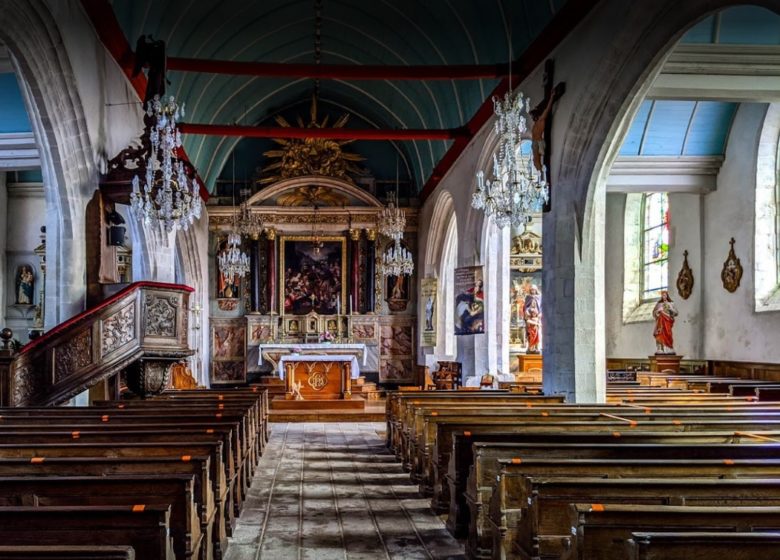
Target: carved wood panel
(73,355)
(118,329)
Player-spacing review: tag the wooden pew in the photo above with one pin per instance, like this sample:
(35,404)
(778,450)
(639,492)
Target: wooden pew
(436,462)
(601,530)
(142,527)
(542,528)
(689,545)
(468,510)
(176,491)
(511,479)
(64,552)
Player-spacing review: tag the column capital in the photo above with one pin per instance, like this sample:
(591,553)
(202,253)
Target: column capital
(270,234)
(354,234)
(371,234)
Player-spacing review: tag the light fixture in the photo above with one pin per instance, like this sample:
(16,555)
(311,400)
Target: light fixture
(397,260)
(169,197)
(233,261)
(516,189)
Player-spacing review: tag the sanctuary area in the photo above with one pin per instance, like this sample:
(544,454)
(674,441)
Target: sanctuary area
(396,280)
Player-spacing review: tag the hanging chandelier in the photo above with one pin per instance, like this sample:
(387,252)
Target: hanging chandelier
(169,197)
(233,261)
(392,220)
(249,223)
(516,189)
(397,260)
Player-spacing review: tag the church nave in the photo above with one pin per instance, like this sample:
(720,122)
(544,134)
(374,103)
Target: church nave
(334,492)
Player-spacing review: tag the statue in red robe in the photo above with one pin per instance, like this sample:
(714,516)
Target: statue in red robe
(532,309)
(664,313)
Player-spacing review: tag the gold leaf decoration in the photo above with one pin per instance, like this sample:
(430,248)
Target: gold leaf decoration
(298,157)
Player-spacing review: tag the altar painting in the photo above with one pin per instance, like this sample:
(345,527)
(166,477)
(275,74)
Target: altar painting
(469,300)
(227,351)
(311,278)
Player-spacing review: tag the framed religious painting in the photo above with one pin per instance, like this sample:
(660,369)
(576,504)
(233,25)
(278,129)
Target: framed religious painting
(469,300)
(311,275)
(228,351)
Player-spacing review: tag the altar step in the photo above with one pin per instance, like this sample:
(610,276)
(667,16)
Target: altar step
(322,411)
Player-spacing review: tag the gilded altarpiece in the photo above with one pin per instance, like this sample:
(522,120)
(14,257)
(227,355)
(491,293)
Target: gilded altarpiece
(344,277)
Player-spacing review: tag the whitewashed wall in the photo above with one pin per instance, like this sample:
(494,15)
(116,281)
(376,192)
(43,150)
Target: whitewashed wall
(713,323)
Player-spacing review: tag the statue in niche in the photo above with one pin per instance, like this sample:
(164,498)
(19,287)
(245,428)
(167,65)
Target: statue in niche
(532,309)
(664,313)
(25,285)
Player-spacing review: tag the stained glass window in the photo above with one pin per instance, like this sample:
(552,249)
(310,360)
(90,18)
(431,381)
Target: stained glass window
(655,244)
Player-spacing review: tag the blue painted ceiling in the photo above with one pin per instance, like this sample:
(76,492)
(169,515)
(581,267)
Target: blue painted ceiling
(390,32)
(679,128)
(13,114)
(700,128)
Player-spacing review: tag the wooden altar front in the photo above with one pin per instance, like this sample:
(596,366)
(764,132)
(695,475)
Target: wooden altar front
(320,379)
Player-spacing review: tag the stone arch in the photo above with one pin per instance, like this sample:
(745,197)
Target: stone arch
(443,210)
(30,32)
(446,347)
(600,108)
(765,261)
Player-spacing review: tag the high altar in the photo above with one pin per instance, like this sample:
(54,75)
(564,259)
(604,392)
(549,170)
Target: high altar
(314,287)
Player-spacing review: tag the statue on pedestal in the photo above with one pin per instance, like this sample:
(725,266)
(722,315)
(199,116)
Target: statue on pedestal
(533,320)
(664,313)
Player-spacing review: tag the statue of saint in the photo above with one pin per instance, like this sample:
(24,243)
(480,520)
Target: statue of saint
(664,313)
(24,285)
(533,320)
(429,314)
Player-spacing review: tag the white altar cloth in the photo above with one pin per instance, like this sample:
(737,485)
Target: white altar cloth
(310,349)
(355,373)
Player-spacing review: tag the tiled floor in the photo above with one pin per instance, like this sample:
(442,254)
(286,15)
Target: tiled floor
(332,491)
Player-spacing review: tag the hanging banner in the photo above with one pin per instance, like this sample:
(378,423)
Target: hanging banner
(428,292)
(469,300)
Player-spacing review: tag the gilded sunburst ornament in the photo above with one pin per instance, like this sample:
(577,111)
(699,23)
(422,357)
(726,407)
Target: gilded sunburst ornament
(311,156)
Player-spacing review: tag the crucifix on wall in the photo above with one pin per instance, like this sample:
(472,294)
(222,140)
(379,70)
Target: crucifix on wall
(541,130)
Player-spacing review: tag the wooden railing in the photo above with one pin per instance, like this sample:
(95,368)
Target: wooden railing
(141,329)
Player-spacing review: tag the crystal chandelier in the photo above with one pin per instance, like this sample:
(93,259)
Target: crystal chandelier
(169,197)
(233,261)
(397,260)
(516,188)
(249,224)
(392,220)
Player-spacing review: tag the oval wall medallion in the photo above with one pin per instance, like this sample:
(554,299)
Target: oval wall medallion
(685,279)
(732,270)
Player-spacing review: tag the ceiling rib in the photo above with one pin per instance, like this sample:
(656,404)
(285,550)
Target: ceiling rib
(339,71)
(330,133)
(564,21)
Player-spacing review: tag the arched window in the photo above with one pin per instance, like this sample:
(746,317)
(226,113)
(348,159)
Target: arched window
(655,245)
(447,288)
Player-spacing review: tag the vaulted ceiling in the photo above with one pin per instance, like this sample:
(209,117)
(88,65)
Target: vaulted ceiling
(353,32)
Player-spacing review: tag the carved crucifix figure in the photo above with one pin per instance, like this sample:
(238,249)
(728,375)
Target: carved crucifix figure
(542,127)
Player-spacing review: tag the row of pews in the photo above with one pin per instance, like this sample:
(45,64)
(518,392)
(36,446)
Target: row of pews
(656,472)
(150,479)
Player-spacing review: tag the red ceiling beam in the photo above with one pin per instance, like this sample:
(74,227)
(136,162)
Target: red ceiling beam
(570,15)
(330,133)
(338,71)
(110,33)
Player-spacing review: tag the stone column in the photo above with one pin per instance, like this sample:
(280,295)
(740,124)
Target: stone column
(354,288)
(255,257)
(270,255)
(370,271)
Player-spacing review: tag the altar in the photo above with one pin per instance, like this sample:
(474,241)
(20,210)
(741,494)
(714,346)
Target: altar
(318,376)
(273,352)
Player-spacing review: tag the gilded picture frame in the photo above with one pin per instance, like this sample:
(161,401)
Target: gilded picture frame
(294,255)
